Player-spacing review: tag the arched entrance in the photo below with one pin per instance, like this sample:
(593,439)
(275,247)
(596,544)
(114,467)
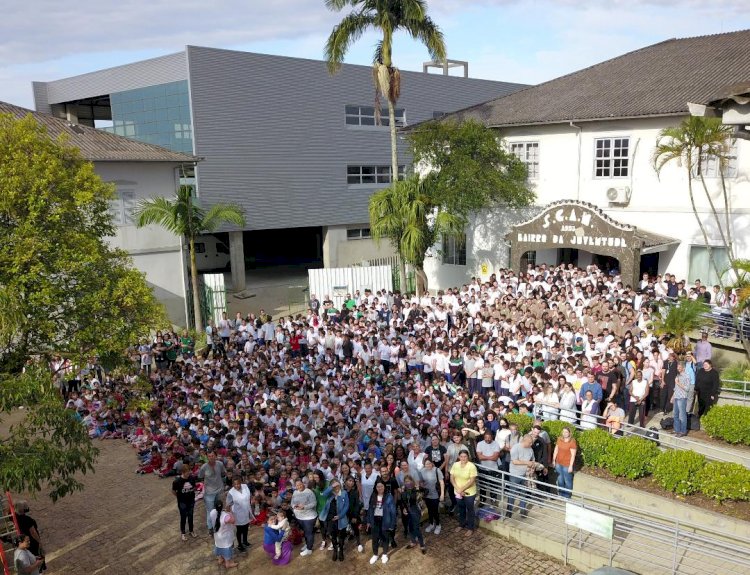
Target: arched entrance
(580,230)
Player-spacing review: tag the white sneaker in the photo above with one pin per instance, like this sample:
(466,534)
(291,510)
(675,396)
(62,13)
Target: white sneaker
(384,558)
(373,559)
(429,528)
(330,546)
(304,548)
(305,553)
(360,548)
(322,546)
(437,530)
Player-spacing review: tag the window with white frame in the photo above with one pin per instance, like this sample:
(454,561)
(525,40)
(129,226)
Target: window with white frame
(358,233)
(612,157)
(528,153)
(365,116)
(710,164)
(357,175)
(454,250)
(122,207)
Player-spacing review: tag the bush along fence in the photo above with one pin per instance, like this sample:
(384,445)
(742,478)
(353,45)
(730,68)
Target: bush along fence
(681,472)
(728,422)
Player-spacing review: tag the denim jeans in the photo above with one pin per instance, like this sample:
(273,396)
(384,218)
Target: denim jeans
(209,499)
(415,532)
(466,517)
(680,415)
(514,482)
(564,480)
(308,528)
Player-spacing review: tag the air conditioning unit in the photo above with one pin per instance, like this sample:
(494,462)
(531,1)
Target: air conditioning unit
(619,196)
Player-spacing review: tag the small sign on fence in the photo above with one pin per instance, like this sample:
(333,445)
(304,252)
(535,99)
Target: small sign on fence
(590,521)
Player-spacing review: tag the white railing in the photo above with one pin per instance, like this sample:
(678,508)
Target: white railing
(642,539)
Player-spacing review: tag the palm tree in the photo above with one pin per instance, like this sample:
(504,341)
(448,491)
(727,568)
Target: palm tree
(387,16)
(406,216)
(679,320)
(690,145)
(184,218)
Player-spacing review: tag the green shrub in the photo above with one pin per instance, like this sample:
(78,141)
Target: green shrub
(724,481)
(593,444)
(524,422)
(630,457)
(554,429)
(728,422)
(738,371)
(678,471)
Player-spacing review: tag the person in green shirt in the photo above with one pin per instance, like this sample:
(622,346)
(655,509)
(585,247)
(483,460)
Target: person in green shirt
(171,349)
(187,345)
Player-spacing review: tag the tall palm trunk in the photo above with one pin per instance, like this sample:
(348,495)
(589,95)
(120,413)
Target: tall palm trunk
(394,179)
(196,294)
(700,222)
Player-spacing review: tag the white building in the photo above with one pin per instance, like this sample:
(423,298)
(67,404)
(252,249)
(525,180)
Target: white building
(588,139)
(138,170)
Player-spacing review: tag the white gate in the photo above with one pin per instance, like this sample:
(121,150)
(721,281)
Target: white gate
(337,282)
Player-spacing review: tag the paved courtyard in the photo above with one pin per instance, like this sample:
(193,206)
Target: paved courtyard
(127,524)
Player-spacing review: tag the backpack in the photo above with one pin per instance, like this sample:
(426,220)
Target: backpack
(667,423)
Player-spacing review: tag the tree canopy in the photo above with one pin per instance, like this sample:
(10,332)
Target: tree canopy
(465,168)
(184,218)
(64,291)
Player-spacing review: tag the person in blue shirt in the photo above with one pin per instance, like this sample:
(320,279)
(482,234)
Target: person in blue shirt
(593,386)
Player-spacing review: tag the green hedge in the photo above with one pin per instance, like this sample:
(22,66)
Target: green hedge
(678,471)
(554,429)
(524,422)
(593,445)
(728,422)
(631,457)
(723,481)
(681,472)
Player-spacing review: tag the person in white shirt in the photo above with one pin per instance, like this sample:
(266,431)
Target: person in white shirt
(488,451)
(238,498)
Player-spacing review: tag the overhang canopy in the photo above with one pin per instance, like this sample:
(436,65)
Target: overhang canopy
(581,225)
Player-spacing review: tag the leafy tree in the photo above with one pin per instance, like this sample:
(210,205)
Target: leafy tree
(387,17)
(63,292)
(407,215)
(466,169)
(690,145)
(181,216)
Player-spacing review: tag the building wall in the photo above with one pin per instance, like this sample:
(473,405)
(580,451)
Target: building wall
(274,136)
(338,251)
(155,251)
(161,70)
(658,203)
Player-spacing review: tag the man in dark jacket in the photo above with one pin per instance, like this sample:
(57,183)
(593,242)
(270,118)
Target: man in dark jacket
(707,385)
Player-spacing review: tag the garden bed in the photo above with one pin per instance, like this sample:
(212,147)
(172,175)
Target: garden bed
(735,509)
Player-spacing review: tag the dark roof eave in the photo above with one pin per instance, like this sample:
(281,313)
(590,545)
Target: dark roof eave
(187,160)
(584,120)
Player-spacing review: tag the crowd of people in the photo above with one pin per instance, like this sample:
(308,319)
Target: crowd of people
(350,420)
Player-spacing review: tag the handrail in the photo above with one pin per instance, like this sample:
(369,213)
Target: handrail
(710,450)
(735,393)
(636,530)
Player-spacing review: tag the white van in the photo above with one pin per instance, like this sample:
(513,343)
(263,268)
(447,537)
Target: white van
(210,253)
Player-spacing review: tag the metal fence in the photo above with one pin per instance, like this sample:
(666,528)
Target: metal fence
(735,391)
(727,326)
(642,539)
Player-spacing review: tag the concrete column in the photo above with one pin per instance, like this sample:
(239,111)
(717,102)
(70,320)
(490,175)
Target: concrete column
(237,260)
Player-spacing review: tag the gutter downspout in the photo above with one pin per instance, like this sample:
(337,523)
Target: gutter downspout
(578,178)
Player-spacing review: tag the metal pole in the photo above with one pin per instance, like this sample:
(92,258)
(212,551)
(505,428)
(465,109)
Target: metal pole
(674,554)
(566,544)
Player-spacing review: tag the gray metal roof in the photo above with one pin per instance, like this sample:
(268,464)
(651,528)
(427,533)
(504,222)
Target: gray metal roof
(98,145)
(657,80)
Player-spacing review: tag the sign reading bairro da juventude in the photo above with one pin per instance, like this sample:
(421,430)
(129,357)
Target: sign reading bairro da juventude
(577,225)
(573,227)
